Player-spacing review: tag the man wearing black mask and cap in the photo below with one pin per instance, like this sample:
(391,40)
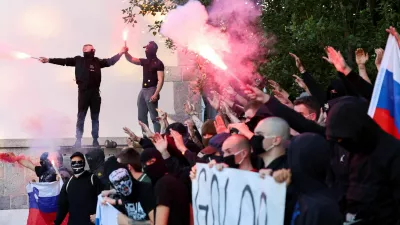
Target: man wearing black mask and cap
(172,196)
(88,78)
(153,81)
(95,159)
(78,196)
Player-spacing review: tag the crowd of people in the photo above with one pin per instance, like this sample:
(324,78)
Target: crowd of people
(338,164)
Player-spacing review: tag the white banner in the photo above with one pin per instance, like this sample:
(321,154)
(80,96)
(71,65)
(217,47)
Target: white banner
(236,197)
(106,214)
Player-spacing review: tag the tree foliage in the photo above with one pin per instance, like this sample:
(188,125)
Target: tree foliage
(305,27)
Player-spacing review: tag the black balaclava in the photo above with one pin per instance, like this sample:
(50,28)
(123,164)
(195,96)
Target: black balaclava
(119,176)
(89,55)
(95,160)
(45,162)
(151,50)
(79,167)
(336,89)
(308,159)
(156,170)
(349,125)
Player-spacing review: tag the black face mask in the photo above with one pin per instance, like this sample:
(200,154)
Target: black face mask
(230,161)
(155,171)
(252,124)
(256,143)
(89,55)
(78,166)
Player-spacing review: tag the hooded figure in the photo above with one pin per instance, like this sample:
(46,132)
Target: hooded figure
(47,172)
(95,159)
(374,181)
(153,164)
(308,159)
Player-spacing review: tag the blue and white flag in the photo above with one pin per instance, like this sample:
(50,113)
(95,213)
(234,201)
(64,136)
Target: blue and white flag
(106,214)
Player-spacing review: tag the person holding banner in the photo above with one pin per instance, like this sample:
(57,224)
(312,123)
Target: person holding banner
(88,78)
(134,198)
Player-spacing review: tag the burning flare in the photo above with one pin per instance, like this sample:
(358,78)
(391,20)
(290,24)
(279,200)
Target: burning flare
(20,55)
(125,34)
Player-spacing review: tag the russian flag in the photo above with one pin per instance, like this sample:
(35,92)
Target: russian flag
(385,102)
(43,199)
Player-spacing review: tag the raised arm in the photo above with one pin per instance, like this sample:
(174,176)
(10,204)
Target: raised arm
(132,59)
(111,61)
(59,61)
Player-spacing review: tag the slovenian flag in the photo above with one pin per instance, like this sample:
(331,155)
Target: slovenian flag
(43,199)
(385,102)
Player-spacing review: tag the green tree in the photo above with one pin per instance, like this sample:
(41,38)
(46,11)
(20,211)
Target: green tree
(305,27)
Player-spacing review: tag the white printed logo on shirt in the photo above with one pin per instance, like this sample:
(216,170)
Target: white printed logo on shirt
(135,211)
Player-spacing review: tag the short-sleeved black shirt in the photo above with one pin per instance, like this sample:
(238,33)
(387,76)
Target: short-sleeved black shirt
(172,193)
(140,202)
(150,68)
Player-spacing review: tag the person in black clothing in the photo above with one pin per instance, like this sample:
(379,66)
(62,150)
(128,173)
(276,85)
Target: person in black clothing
(153,81)
(308,158)
(78,196)
(45,171)
(338,177)
(172,196)
(133,198)
(373,194)
(88,78)
(95,159)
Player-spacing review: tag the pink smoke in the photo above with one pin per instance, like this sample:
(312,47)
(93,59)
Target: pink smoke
(226,34)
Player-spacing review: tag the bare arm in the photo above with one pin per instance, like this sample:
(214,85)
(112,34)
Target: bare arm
(162,215)
(132,59)
(27,164)
(160,83)
(151,217)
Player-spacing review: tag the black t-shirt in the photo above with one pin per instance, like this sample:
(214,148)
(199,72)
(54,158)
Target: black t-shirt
(140,202)
(150,68)
(172,193)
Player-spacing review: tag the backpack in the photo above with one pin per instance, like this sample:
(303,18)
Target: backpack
(66,188)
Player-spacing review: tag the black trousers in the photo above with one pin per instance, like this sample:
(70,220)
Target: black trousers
(88,99)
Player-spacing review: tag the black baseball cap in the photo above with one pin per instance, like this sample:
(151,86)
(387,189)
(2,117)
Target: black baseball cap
(151,44)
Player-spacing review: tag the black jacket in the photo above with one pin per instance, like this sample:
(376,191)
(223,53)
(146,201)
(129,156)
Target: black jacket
(82,71)
(308,159)
(338,175)
(374,188)
(78,197)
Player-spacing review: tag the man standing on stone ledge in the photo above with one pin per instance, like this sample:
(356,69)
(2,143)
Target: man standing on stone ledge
(153,81)
(88,78)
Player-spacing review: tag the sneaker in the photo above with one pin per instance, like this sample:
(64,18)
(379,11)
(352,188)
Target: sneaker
(77,144)
(96,143)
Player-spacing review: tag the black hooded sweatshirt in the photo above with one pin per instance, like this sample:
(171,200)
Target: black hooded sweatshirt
(95,160)
(78,197)
(374,188)
(339,172)
(308,158)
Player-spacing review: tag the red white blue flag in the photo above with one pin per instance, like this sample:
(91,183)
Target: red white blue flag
(385,102)
(43,198)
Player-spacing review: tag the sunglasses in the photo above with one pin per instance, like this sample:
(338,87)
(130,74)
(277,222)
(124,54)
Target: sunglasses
(76,162)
